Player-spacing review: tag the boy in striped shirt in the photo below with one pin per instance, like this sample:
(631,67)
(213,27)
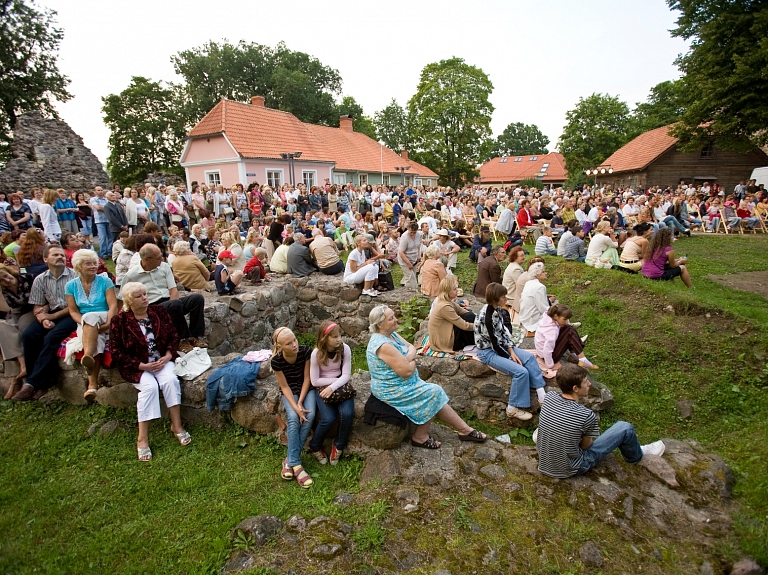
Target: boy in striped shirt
(568,438)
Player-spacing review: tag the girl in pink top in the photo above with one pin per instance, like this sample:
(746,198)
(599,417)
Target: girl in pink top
(554,337)
(330,368)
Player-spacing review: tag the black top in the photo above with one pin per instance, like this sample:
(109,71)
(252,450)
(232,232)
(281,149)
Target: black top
(293,372)
(276,232)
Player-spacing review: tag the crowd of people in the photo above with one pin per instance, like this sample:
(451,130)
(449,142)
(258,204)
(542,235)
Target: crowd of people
(167,240)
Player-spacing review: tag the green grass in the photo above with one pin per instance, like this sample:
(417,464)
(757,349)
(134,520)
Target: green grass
(72,503)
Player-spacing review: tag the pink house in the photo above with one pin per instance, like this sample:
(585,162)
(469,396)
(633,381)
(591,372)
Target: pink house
(244,143)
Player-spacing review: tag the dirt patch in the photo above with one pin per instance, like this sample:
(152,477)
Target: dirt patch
(753,282)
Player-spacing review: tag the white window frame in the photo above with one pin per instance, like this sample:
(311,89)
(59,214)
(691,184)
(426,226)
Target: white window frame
(362,179)
(209,178)
(385,180)
(417,182)
(339,179)
(429,183)
(267,171)
(313,173)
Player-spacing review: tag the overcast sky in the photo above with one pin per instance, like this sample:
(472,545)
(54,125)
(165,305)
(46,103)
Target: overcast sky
(541,55)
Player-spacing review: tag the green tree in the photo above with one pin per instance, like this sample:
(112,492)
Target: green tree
(520,139)
(451,118)
(362,123)
(291,81)
(725,85)
(29,72)
(393,126)
(147,127)
(597,127)
(663,107)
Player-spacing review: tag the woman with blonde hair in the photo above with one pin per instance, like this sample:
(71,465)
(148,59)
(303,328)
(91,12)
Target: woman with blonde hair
(145,344)
(174,206)
(188,268)
(451,324)
(229,242)
(92,305)
(291,364)
(48,218)
(131,213)
(603,247)
(330,370)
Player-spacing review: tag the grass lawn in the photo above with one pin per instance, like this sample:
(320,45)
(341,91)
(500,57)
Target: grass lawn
(74,503)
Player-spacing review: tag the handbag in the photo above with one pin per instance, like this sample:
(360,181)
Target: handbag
(346,391)
(228,211)
(190,365)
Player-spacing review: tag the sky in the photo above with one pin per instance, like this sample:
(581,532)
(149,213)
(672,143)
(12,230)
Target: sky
(541,55)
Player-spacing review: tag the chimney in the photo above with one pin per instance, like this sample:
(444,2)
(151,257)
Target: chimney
(345,123)
(257,101)
(404,154)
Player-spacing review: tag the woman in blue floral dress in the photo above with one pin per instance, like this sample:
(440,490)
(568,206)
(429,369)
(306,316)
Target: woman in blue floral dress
(396,382)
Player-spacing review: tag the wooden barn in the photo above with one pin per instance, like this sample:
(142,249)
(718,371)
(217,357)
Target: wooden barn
(652,159)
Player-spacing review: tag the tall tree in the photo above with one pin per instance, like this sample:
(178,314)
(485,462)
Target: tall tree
(451,118)
(520,139)
(147,127)
(393,126)
(663,107)
(725,85)
(597,127)
(362,123)
(291,81)
(29,71)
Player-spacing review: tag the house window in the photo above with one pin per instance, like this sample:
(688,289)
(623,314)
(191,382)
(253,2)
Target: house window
(417,182)
(429,183)
(519,159)
(708,151)
(339,179)
(309,177)
(385,180)
(213,178)
(363,179)
(503,160)
(274,178)
(544,167)
(533,158)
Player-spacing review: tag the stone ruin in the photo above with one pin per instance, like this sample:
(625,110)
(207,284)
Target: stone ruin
(48,153)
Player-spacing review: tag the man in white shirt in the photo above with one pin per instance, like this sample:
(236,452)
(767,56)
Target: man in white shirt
(431,221)
(594,213)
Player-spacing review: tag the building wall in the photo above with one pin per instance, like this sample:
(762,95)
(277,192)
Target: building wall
(229,173)
(209,149)
(256,171)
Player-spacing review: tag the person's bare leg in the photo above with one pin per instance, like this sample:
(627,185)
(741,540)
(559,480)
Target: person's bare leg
(236,277)
(448,416)
(422,432)
(90,337)
(686,277)
(93,377)
(143,439)
(175,414)
(368,284)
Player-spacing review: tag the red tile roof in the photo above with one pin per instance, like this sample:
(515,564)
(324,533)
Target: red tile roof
(644,149)
(510,171)
(260,132)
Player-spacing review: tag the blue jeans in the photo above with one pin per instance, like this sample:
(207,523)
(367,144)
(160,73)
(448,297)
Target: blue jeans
(622,435)
(672,222)
(328,412)
(524,377)
(105,240)
(296,430)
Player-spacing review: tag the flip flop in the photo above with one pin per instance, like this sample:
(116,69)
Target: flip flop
(145,453)
(90,395)
(428,444)
(474,435)
(184,437)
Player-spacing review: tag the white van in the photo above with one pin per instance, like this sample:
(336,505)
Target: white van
(760,175)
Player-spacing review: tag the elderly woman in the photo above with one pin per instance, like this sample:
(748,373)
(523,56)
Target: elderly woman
(522,279)
(395,381)
(144,345)
(534,301)
(602,251)
(432,271)
(92,305)
(450,324)
(361,268)
(191,272)
(229,242)
(15,306)
(174,206)
(498,343)
(513,272)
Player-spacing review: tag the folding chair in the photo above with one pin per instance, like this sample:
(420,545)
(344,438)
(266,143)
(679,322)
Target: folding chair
(763,227)
(722,222)
(702,226)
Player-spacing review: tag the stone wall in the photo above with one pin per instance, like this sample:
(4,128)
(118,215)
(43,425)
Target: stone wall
(48,153)
(244,322)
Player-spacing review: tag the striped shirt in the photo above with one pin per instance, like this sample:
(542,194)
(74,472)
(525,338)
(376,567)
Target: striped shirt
(49,290)
(293,372)
(562,424)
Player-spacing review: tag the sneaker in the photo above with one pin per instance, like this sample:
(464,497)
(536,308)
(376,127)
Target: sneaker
(320,455)
(335,455)
(535,436)
(575,325)
(655,448)
(586,364)
(584,338)
(520,414)
(370,292)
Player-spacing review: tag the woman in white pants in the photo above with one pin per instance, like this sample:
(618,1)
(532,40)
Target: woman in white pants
(144,346)
(361,268)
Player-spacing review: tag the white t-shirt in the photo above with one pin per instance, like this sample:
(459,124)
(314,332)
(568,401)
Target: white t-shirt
(354,256)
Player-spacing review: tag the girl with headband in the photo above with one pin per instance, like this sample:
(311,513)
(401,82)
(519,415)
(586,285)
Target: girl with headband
(330,368)
(290,362)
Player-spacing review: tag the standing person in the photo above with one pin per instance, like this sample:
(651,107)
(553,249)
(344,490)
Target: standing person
(85,213)
(291,364)
(92,305)
(48,218)
(568,438)
(330,369)
(145,345)
(42,339)
(498,347)
(98,202)
(115,216)
(66,208)
(409,254)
